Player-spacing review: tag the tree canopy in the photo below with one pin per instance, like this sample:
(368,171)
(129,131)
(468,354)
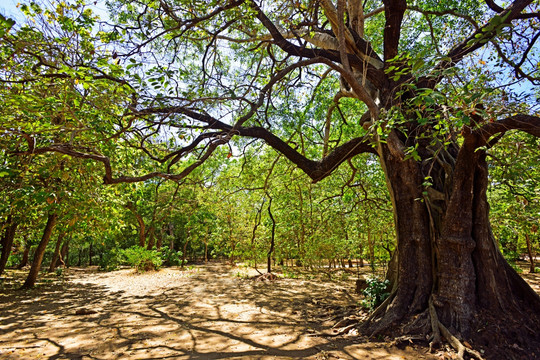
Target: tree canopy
(429,91)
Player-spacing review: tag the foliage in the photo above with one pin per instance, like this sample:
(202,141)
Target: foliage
(142,259)
(170,257)
(375,293)
(13,260)
(110,260)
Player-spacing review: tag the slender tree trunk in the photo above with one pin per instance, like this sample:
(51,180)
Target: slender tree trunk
(529,251)
(40,251)
(185,251)
(159,242)
(140,221)
(7,242)
(56,254)
(371,247)
(302,237)
(90,254)
(26,252)
(151,239)
(231,240)
(64,254)
(206,245)
(171,235)
(273,237)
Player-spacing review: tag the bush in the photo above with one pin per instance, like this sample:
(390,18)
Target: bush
(13,260)
(170,257)
(375,293)
(110,260)
(142,259)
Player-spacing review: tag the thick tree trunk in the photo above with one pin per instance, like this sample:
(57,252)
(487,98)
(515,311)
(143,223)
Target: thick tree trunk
(40,251)
(447,253)
(56,254)
(7,242)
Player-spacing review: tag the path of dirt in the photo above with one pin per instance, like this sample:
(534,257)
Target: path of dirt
(208,312)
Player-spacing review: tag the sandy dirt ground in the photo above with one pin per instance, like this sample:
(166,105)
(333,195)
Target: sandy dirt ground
(206,312)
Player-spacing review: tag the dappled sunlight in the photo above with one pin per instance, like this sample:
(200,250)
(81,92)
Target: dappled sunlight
(202,313)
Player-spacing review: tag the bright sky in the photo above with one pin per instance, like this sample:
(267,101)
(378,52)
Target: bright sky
(9,8)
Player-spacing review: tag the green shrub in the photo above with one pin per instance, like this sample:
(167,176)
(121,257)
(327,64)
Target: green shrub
(170,257)
(110,260)
(142,259)
(375,293)
(13,260)
(289,274)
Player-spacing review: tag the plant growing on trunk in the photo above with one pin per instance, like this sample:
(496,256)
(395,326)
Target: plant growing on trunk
(411,88)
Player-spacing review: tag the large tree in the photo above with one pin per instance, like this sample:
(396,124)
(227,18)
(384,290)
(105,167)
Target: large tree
(427,87)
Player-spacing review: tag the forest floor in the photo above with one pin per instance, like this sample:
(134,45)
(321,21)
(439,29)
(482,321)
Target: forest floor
(211,311)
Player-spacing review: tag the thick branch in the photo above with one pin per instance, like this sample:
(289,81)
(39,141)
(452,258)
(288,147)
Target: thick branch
(528,123)
(394,10)
(316,170)
(373,73)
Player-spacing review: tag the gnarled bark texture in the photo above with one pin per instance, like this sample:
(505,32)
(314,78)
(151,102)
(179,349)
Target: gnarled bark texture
(446,251)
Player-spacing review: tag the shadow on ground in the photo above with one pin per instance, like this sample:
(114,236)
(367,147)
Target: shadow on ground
(202,313)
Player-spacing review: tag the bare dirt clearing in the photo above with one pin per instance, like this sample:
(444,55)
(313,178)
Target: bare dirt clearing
(207,312)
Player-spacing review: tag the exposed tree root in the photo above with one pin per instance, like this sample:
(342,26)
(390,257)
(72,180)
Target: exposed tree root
(265,277)
(339,331)
(452,340)
(381,307)
(416,330)
(436,337)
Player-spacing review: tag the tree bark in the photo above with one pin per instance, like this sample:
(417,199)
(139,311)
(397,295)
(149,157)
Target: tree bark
(26,252)
(272,239)
(64,253)
(90,254)
(40,251)
(446,250)
(56,254)
(7,242)
(151,239)
(159,242)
